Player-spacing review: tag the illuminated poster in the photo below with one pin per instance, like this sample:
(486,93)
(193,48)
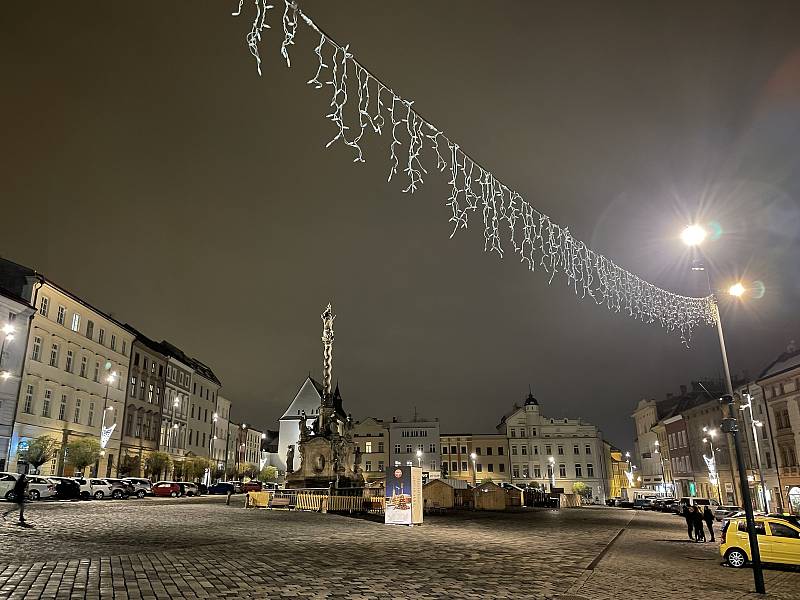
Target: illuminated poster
(403,495)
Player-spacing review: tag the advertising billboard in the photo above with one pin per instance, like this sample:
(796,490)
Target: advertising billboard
(403,496)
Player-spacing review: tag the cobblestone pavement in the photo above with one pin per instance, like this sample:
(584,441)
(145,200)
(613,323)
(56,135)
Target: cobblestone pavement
(655,554)
(204,549)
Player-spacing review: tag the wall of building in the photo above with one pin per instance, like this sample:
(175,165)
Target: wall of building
(406,438)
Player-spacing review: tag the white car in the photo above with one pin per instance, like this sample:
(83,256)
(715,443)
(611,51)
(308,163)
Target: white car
(92,487)
(7,481)
(40,487)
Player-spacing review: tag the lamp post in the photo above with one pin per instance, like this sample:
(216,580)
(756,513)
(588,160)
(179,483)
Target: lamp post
(754,424)
(661,460)
(693,235)
(419,458)
(551,465)
(175,405)
(711,434)
(105,435)
(474,458)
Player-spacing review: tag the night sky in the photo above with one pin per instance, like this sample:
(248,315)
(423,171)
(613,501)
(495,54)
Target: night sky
(148,169)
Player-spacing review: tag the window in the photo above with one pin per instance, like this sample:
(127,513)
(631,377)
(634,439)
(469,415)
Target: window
(536,450)
(578,471)
(513,432)
(77,416)
(454,466)
(576,449)
(83,366)
(463,449)
(784,531)
(62,313)
(62,409)
(113,342)
(464,465)
(150,393)
(408,448)
(380,465)
(548,449)
(36,353)
(502,467)
(490,467)
(141,389)
(54,355)
(525,471)
(590,470)
(479,468)
(368,465)
(101,336)
(500,451)
(432,448)
(560,450)
(44,307)
(588,449)
(68,366)
(513,450)
(97,371)
(89,329)
(129,424)
(76,322)
(397,448)
(515,471)
(90,421)
(562,470)
(28,406)
(368,448)
(124,348)
(533,431)
(453,449)
(133,386)
(524,449)
(759,527)
(48,396)
(537,472)
(769,460)
(136,360)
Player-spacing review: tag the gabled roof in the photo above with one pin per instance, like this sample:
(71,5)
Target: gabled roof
(786,361)
(308,399)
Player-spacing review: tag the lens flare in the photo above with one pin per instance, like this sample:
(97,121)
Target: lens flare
(758,289)
(715,231)
(737,289)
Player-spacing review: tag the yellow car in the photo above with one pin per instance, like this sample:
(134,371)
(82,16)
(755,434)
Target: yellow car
(778,541)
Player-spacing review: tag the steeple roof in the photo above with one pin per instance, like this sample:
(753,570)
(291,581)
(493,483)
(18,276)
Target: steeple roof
(308,399)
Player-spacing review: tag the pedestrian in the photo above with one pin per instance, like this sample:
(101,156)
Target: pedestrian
(19,490)
(687,514)
(697,520)
(708,517)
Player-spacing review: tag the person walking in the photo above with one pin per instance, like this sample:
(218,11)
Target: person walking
(697,520)
(687,514)
(708,517)
(19,490)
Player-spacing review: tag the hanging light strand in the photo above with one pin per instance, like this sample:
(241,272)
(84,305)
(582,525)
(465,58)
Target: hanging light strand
(535,238)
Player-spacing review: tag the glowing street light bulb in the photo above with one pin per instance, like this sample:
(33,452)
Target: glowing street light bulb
(8,329)
(5,375)
(693,235)
(737,289)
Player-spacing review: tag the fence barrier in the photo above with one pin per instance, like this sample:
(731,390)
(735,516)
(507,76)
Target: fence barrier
(351,500)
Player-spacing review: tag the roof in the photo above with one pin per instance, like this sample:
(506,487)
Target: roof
(701,392)
(786,361)
(308,399)
(15,297)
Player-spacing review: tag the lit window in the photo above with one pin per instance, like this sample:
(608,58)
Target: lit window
(76,322)
(368,449)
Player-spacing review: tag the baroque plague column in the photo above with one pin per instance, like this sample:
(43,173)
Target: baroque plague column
(327,453)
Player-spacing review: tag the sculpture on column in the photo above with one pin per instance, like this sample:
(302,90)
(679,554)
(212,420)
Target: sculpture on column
(290,459)
(303,427)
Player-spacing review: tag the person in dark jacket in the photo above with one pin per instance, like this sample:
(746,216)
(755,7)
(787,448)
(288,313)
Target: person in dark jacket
(697,520)
(20,489)
(687,514)
(708,517)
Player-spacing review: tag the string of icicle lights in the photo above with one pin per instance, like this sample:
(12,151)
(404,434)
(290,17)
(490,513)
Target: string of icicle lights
(540,243)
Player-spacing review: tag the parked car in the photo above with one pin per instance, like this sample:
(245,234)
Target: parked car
(793,519)
(7,481)
(66,488)
(778,541)
(40,487)
(92,487)
(221,487)
(643,504)
(666,504)
(238,488)
(141,487)
(188,488)
(167,488)
(253,486)
(725,511)
(120,488)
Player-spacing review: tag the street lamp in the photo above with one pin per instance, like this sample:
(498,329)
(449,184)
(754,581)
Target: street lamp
(105,434)
(661,460)
(419,458)
(474,458)
(551,465)
(694,236)
(712,464)
(8,336)
(754,424)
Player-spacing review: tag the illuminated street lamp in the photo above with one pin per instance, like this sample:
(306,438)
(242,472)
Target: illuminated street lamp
(8,336)
(661,460)
(419,458)
(474,458)
(551,465)
(694,235)
(105,433)
(754,423)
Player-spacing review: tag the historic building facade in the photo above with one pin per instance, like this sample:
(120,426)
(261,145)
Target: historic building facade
(141,422)
(491,460)
(74,378)
(202,405)
(415,442)
(175,409)
(15,316)
(221,418)
(554,452)
(371,436)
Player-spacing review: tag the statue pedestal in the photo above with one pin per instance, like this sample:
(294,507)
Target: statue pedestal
(325,460)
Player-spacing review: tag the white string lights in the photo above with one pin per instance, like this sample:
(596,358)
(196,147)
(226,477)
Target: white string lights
(539,242)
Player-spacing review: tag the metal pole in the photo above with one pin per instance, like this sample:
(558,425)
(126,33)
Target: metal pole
(730,426)
(758,453)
